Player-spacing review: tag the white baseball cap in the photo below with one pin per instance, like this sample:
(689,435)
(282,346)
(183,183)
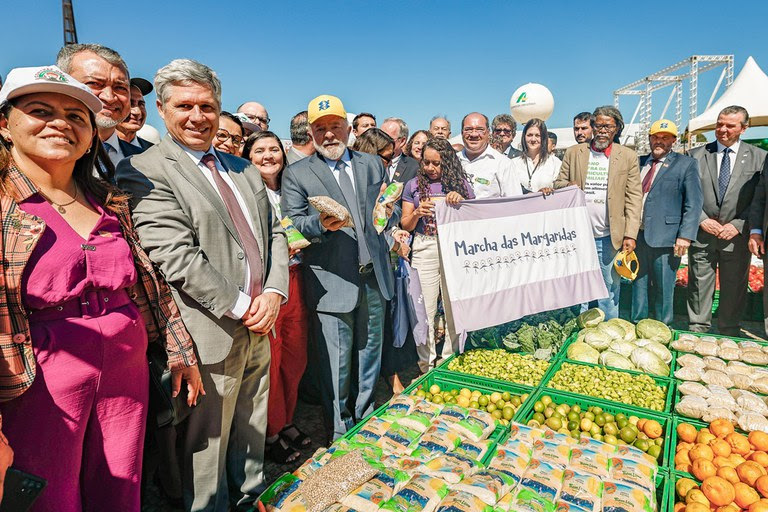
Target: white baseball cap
(21,81)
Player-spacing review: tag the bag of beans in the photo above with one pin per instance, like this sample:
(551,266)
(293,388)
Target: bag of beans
(325,204)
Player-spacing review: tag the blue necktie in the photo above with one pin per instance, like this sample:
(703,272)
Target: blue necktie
(347,189)
(725,173)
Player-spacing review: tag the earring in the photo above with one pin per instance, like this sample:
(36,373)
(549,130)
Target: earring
(88,151)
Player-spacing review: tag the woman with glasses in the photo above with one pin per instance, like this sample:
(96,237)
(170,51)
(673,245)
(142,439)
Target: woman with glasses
(441,178)
(536,167)
(288,344)
(416,143)
(229,137)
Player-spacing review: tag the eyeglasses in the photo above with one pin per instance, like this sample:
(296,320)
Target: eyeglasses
(223,135)
(255,118)
(604,127)
(503,131)
(473,129)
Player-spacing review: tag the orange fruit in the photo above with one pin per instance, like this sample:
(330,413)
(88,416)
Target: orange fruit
(703,469)
(683,457)
(760,457)
(704,436)
(686,433)
(736,459)
(701,451)
(720,462)
(760,506)
(652,429)
(761,486)
(721,428)
(731,507)
(749,472)
(739,443)
(685,468)
(745,495)
(679,507)
(696,496)
(718,491)
(696,507)
(759,440)
(683,485)
(720,448)
(728,473)
(641,424)
(684,446)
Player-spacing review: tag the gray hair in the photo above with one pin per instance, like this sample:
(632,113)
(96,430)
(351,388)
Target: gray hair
(68,51)
(736,109)
(300,129)
(186,71)
(402,124)
(439,117)
(610,111)
(504,119)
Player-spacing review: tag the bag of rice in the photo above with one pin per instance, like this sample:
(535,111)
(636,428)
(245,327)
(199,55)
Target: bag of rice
(335,480)
(760,385)
(551,452)
(282,496)
(512,464)
(689,373)
(746,345)
(750,422)
(685,344)
(691,360)
(714,363)
(557,437)
(421,493)
(325,204)
(525,433)
(723,400)
(409,465)
(452,413)
(476,426)
(752,403)
(694,388)
(371,432)
(389,195)
(718,378)
(587,443)
(727,343)
(590,461)
(625,497)
(451,467)
(712,414)
(539,487)
(474,449)
(457,501)
(518,447)
(729,353)
(401,405)
(691,406)
(375,491)
(339,507)
(369,451)
(757,357)
(706,348)
(583,490)
(626,451)
(296,240)
(421,416)
(436,441)
(399,439)
(488,485)
(634,472)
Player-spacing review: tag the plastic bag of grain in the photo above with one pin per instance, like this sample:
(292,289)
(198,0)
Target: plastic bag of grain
(388,196)
(325,204)
(421,494)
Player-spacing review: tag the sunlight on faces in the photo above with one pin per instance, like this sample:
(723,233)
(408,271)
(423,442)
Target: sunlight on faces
(440,128)
(474,134)
(431,164)
(533,139)
(604,132)
(661,144)
(110,83)
(267,157)
(256,113)
(582,131)
(417,146)
(138,115)
(505,133)
(191,115)
(48,127)
(729,128)
(363,124)
(329,134)
(232,129)
(392,129)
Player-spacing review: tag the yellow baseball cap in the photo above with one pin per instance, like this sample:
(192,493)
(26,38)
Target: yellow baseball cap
(325,105)
(663,126)
(623,263)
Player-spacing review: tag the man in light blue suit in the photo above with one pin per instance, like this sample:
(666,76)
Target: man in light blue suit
(347,276)
(672,203)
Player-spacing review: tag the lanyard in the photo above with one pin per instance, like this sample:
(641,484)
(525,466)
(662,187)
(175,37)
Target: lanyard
(528,170)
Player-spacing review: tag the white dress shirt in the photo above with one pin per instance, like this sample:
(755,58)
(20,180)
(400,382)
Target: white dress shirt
(243,302)
(117,154)
(347,159)
(731,156)
(490,174)
(135,141)
(535,178)
(393,166)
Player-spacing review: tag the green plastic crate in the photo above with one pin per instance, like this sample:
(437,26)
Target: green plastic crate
(662,381)
(610,407)
(677,353)
(443,368)
(676,420)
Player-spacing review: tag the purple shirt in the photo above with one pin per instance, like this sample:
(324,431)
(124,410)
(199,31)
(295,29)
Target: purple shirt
(411,195)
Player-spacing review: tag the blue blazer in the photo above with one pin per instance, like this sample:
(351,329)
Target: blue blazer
(674,203)
(331,277)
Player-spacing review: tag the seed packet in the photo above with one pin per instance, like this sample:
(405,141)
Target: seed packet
(398,440)
(488,485)
(457,501)
(451,467)
(390,194)
(586,460)
(474,449)
(296,240)
(476,426)
(582,490)
(633,472)
(551,452)
(421,493)
(625,497)
(372,431)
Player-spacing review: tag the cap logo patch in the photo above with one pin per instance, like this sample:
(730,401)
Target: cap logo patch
(324,105)
(50,75)
(664,125)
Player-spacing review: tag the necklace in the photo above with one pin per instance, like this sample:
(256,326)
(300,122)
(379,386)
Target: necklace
(60,207)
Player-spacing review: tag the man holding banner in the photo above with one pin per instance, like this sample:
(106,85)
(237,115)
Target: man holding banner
(609,175)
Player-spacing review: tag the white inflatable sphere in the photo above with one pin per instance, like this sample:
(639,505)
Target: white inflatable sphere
(531,101)
(150,133)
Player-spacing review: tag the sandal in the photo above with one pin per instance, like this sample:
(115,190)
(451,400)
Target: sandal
(279,452)
(295,437)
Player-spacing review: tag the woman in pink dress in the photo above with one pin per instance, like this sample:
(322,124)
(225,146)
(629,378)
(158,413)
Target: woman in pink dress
(80,303)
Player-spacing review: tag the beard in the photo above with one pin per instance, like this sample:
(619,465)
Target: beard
(601,145)
(331,153)
(105,122)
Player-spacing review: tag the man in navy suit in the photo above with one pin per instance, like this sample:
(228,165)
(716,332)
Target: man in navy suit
(672,203)
(130,142)
(347,274)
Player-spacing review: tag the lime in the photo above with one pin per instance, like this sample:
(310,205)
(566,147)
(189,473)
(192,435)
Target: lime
(473,404)
(589,415)
(455,392)
(549,412)
(516,401)
(539,417)
(654,451)
(610,439)
(538,407)
(573,425)
(533,423)
(506,396)
(554,423)
(546,400)
(575,434)
(621,416)
(490,407)
(495,396)
(600,420)
(434,389)
(597,410)
(628,434)
(428,396)
(597,437)
(483,400)
(642,444)
(623,422)
(500,404)
(576,409)
(465,392)
(573,416)
(609,418)
(633,420)
(507,412)
(437,399)
(610,428)
(463,401)
(421,393)
(586,425)
(504,422)
(497,414)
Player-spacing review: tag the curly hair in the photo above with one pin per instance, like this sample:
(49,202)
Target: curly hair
(453,178)
(409,145)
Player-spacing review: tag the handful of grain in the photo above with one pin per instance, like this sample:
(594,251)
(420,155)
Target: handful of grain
(335,480)
(325,204)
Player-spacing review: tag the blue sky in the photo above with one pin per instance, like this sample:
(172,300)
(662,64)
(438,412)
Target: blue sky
(412,59)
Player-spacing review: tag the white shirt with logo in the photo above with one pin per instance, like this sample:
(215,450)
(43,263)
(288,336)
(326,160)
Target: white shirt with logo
(491,174)
(596,190)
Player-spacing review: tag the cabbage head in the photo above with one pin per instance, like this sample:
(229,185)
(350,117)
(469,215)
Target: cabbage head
(615,331)
(598,340)
(609,358)
(654,330)
(648,362)
(660,350)
(590,318)
(629,327)
(579,351)
(621,347)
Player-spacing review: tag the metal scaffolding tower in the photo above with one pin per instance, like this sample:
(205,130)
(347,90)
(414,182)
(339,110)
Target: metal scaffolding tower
(70,33)
(675,75)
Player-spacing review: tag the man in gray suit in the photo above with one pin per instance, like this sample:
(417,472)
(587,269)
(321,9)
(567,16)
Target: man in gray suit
(347,276)
(729,172)
(205,220)
(301,140)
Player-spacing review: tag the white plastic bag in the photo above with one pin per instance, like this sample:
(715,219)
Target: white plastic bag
(717,377)
(694,388)
(689,373)
(691,406)
(691,360)
(715,363)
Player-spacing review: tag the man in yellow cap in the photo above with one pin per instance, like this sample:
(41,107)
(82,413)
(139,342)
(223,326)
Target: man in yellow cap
(672,203)
(347,275)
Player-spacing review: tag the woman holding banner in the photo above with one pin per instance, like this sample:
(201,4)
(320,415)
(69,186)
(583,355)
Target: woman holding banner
(536,167)
(440,178)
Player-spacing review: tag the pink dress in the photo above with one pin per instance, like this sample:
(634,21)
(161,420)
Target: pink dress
(81,423)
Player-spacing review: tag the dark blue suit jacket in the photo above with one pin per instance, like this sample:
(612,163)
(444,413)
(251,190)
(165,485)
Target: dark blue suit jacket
(673,205)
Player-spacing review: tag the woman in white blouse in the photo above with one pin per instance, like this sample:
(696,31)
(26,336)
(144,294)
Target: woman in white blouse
(536,167)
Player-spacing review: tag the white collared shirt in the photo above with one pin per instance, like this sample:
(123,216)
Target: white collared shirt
(731,156)
(243,302)
(117,154)
(491,174)
(393,166)
(135,141)
(347,159)
(535,178)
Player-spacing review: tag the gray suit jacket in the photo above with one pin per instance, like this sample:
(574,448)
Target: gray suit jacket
(331,278)
(187,231)
(734,207)
(294,155)
(406,169)
(673,205)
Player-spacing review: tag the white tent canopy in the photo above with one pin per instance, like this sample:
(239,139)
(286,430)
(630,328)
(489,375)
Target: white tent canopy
(747,90)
